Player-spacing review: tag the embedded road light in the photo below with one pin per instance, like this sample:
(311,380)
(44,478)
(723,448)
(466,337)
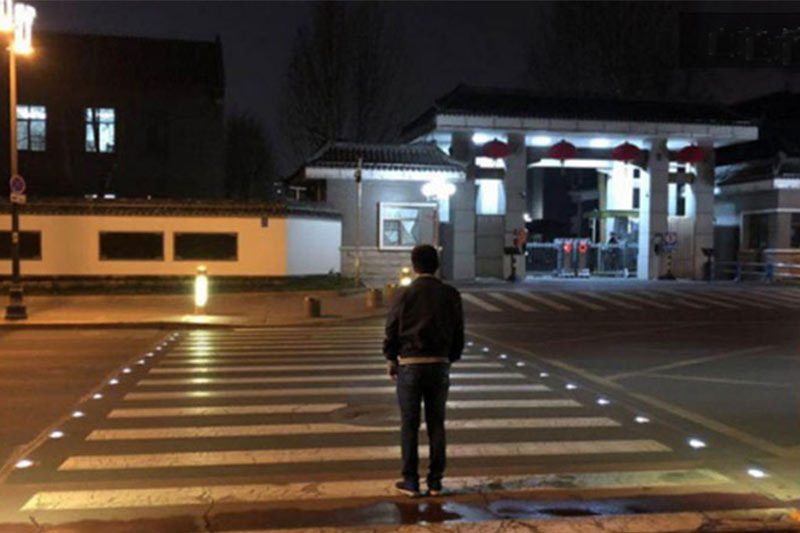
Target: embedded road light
(200,291)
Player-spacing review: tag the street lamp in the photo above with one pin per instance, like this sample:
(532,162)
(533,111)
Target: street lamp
(16,21)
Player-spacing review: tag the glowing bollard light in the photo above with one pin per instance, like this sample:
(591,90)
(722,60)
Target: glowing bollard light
(56,434)
(697,444)
(405,277)
(23,463)
(642,420)
(200,290)
(756,473)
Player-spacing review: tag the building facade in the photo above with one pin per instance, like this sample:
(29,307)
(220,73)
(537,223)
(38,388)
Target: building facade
(124,116)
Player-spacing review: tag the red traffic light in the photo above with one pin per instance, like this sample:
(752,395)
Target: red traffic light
(567,247)
(583,247)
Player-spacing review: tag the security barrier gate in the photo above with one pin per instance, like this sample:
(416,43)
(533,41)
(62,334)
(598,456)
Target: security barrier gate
(569,258)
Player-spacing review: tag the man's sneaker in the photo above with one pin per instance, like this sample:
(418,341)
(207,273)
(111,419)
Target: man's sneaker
(434,489)
(407,488)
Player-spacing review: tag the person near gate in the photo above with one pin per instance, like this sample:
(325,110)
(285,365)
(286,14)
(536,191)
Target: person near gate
(424,335)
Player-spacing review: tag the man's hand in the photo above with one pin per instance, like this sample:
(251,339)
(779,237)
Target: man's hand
(391,370)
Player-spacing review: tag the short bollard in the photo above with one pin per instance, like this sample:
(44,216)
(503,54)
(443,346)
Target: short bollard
(374,298)
(389,293)
(312,307)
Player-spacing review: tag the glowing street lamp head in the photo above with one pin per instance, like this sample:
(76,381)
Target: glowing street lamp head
(200,289)
(405,277)
(6,16)
(24,16)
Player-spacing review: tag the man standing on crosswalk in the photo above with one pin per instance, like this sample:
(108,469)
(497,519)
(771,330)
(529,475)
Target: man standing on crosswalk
(424,335)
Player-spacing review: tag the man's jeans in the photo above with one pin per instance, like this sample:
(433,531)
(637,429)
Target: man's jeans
(428,382)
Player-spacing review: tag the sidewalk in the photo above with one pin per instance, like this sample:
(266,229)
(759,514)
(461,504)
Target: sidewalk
(223,310)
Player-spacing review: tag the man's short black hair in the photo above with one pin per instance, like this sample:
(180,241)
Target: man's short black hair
(425,259)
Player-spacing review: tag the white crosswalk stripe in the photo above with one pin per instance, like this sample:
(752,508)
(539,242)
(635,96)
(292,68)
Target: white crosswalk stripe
(608,300)
(539,298)
(512,302)
(486,306)
(641,300)
(580,302)
(285,380)
(679,299)
(768,299)
(195,432)
(255,400)
(738,299)
(701,298)
(317,391)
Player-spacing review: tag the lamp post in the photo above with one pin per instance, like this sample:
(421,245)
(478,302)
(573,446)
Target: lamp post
(16,21)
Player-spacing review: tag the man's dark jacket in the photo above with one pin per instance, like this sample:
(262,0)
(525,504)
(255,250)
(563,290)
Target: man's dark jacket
(426,321)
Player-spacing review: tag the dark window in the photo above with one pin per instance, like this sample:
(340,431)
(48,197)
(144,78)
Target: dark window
(680,208)
(31,128)
(119,245)
(636,198)
(30,245)
(206,246)
(158,136)
(757,232)
(795,230)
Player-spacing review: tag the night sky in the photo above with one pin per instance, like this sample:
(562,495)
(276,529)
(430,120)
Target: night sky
(480,43)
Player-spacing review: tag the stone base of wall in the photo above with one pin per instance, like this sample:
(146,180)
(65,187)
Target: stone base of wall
(378,267)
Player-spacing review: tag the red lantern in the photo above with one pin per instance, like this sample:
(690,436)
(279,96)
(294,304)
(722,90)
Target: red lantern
(626,152)
(495,149)
(562,151)
(692,154)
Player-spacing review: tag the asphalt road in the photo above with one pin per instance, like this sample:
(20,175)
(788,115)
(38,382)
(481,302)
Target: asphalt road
(572,400)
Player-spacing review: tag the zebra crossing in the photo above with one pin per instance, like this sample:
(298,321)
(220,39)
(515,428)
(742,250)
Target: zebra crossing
(661,299)
(255,416)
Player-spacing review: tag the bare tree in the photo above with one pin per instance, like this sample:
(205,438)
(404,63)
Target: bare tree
(345,78)
(609,49)
(248,165)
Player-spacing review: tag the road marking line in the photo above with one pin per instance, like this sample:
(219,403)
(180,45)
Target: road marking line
(354,453)
(511,404)
(198,432)
(316,391)
(542,300)
(705,299)
(314,379)
(577,301)
(740,299)
(689,362)
(288,368)
(226,410)
(609,300)
(512,302)
(679,301)
(235,359)
(708,423)
(642,300)
(768,299)
(773,293)
(486,306)
(724,381)
(351,489)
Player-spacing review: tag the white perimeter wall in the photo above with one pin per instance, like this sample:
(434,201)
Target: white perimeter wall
(71,245)
(313,246)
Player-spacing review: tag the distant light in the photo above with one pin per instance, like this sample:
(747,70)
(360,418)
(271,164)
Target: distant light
(756,473)
(23,463)
(543,374)
(642,420)
(697,444)
(520,363)
(97,396)
(56,434)
(602,401)
(503,356)
(158,348)
(485,348)
(527,217)
(470,343)
(78,414)
(481,138)
(113,381)
(141,362)
(126,370)
(599,142)
(540,140)
(109,196)
(571,386)
(149,354)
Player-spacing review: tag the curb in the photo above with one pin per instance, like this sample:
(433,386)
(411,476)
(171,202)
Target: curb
(746,520)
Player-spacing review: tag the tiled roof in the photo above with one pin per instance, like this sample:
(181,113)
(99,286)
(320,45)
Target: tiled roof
(467,100)
(157,207)
(418,156)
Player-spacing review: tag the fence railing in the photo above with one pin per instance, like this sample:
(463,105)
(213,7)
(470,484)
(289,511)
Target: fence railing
(579,257)
(768,272)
